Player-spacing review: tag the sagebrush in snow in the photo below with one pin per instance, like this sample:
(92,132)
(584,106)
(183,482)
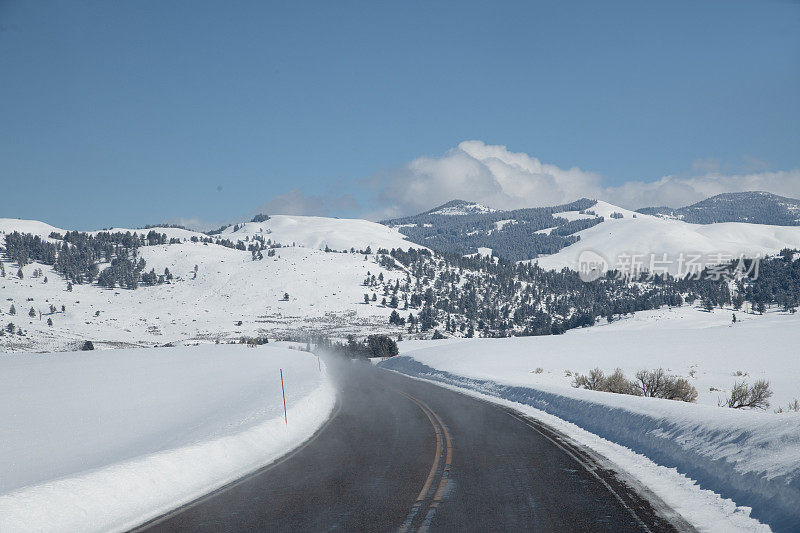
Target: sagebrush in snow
(653,383)
(746,396)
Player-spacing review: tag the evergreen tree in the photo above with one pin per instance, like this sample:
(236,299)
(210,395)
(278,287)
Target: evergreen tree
(381,346)
(32,313)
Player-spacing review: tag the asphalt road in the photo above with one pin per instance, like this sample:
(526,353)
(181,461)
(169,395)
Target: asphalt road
(404,455)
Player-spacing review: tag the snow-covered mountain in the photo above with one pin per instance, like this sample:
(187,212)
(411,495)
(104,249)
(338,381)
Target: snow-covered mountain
(556,236)
(460,207)
(291,276)
(665,243)
(463,228)
(755,207)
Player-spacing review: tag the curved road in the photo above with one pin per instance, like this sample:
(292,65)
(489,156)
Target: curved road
(404,455)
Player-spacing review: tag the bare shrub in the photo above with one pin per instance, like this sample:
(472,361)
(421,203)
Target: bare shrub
(655,383)
(619,384)
(652,383)
(746,396)
(680,389)
(793,407)
(658,384)
(594,381)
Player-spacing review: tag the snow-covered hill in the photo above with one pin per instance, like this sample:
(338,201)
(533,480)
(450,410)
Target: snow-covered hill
(460,207)
(319,232)
(289,285)
(229,295)
(462,227)
(308,232)
(754,207)
(646,236)
(556,236)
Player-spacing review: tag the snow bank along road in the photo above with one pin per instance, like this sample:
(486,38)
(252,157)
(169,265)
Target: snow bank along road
(751,458)
(403,454)
(104,440)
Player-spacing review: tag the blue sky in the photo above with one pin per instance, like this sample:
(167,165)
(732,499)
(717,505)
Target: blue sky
(130,113)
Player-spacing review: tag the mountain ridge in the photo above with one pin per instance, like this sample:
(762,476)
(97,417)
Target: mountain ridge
(752,207)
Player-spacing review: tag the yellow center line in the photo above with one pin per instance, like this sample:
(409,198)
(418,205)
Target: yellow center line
(432,474)
(448,460)
(441,430)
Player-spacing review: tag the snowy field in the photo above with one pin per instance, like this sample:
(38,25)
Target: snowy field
(749,457)
(707,348)
(101,441)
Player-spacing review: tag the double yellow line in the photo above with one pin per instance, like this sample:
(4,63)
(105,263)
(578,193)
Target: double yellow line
(444,446)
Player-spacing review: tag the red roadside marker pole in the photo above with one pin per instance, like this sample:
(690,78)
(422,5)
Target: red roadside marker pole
(283,391)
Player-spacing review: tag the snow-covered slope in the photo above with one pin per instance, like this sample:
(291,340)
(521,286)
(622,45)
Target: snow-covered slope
(229,296)
(308,232)
(101,441)
(34,227)
(171,233)
(751,457)
(599,209)
(706,347)
(755,207)
(325,296)
(460,207)
(318,232)
(646,236)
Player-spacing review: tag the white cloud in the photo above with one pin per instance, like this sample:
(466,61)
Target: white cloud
(483,173)
(502,179)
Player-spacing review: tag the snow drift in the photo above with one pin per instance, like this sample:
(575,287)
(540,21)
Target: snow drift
(106,440)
